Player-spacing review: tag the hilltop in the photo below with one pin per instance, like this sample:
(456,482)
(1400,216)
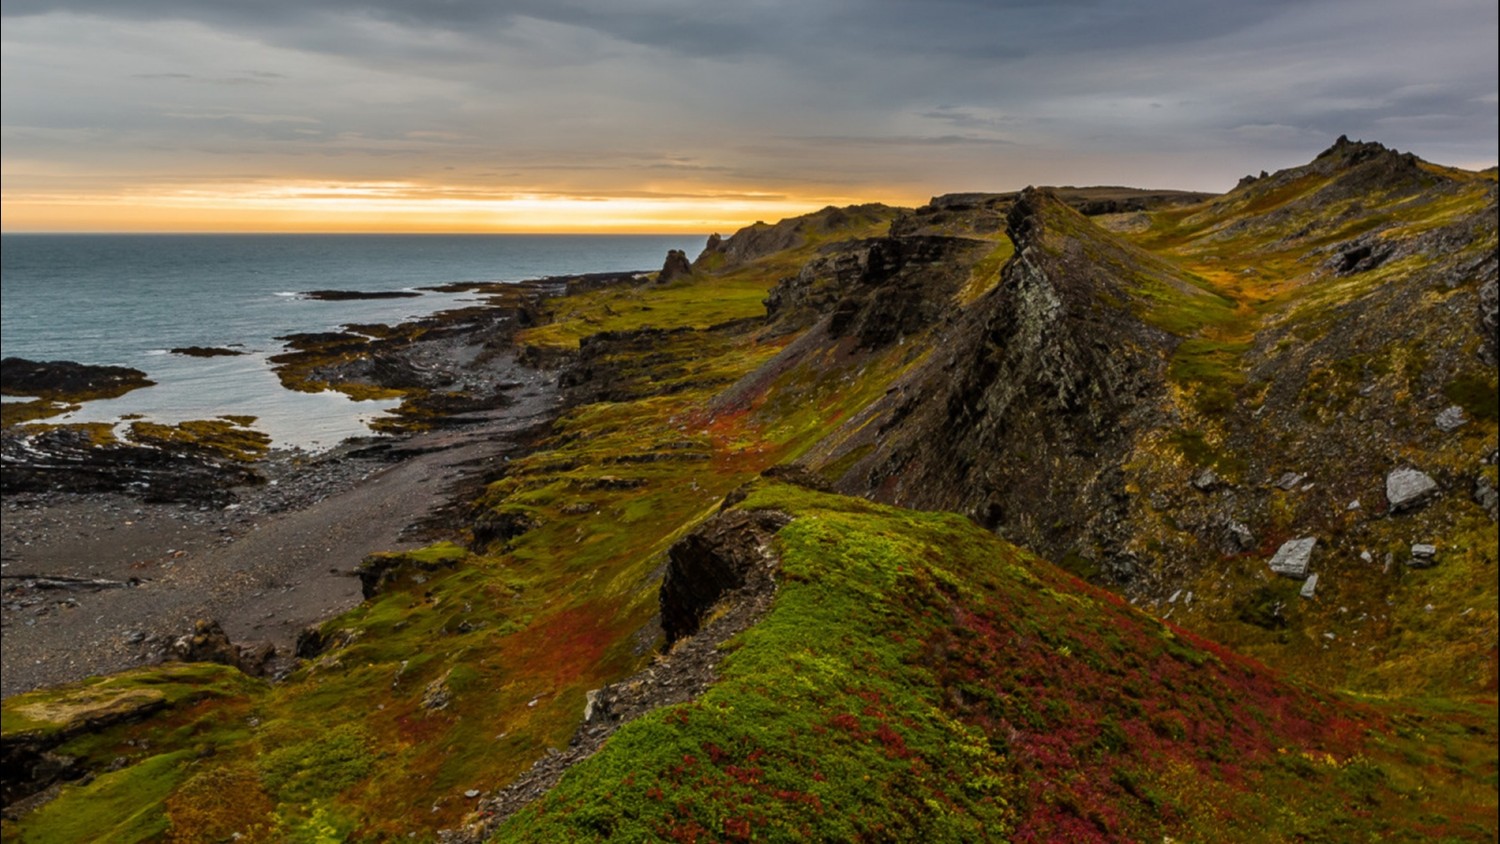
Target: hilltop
(982,520)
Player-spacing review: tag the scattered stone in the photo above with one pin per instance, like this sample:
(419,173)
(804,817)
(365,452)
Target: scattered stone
(1292,558)
(1207,481)
(1423,556)
(1290,481)
(437,695)
(1309,586)
(1235,537)
(1367,556)
(1451,419)
(1487,497)
(1175,596)
(471,793)
(1406,488)
(1353,505)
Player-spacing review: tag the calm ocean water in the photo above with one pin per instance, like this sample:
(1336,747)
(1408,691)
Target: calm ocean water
(127,299)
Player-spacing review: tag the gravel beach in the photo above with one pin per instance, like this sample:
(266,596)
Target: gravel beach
(94,583)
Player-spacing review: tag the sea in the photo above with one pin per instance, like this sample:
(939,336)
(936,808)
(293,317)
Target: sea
(128,299)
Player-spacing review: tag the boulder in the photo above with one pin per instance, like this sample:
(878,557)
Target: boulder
(1451,419)
(1292,558)
(1423,556)
(1406,488)
(1206,481)
(1290,481)
(1309,586)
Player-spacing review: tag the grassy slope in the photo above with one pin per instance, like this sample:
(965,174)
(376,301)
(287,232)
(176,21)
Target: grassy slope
(954,688)
(1370,628)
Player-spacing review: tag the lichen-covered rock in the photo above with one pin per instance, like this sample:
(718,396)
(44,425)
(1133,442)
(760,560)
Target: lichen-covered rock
(1406,488)
(1423,556)
(1450,419)
(437,695)
(1206,481)
(1486,496)
(1293,557)
(206,643)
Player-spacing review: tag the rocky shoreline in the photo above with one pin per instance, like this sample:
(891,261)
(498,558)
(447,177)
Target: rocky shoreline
(113,551)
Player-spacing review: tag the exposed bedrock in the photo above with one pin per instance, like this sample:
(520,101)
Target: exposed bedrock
(727,553)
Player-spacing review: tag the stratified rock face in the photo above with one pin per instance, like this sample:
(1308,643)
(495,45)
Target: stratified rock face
(1025,412)
(729,552)
(761,239)
(1294,556)
(1406,488)
(877,290)
(64,380)
(676,267)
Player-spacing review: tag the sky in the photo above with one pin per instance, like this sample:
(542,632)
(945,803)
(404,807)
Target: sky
(695,115)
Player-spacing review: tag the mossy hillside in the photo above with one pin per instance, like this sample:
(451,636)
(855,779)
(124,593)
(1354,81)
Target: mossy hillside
(955,688)
(56,713)
(143,730)
(1305,374)
(467,666)
(711,296)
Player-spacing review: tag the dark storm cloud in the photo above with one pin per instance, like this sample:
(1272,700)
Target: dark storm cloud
(567,95)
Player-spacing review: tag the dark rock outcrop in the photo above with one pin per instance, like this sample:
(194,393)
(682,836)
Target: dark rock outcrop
(65,380)
(676,267)
(69,459)
(354,295)
(207,642)
(380,571)
(727,553)
(206,352)
(1024,417)
(761,239)
(878,290)
(496,526)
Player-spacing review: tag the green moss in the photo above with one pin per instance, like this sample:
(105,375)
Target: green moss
(56,711)
(319,767)
(120,806)
(224,437)
(18,412)
(1476,393)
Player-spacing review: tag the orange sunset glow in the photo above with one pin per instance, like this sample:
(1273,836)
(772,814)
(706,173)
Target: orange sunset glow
(378,207)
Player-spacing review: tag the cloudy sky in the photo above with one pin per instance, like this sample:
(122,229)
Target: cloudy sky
(690,115)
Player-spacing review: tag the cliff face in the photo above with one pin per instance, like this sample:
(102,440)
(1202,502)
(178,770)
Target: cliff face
(1031,400)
